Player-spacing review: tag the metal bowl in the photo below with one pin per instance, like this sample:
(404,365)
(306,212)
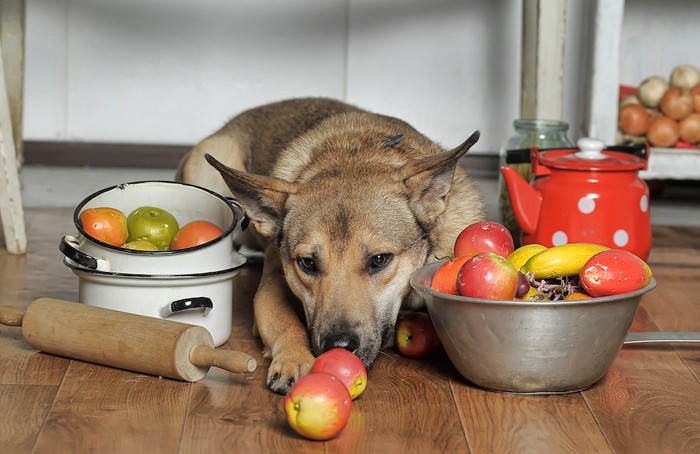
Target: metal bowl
(529,347)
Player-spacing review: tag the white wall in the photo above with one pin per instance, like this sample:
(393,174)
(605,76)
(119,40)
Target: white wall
(173,71)
(657,36)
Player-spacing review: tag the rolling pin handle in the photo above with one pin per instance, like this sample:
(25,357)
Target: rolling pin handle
(11,316)
(230,360)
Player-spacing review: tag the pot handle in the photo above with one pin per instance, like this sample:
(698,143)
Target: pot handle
(198,302)
(69,247)
(245,220)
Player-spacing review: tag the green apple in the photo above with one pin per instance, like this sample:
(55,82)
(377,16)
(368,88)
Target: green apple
(152,224)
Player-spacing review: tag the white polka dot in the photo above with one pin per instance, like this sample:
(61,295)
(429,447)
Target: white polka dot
(644,203)
(586,204)
(621,238)
(559,238)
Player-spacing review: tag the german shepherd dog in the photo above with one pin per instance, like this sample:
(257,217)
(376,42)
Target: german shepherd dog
(345,205)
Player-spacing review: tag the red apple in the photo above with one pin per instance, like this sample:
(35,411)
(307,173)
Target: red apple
(345,366)
(318,406)
(485,236)
(416,336)
(488,275)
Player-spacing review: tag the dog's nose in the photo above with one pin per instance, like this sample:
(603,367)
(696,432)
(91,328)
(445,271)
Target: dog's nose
(348,341)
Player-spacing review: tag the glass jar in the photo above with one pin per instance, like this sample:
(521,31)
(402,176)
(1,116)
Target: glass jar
(542,134)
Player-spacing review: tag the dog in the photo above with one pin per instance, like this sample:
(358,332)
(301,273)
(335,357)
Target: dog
(345,204)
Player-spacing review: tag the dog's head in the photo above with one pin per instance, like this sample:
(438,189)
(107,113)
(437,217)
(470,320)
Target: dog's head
(348,244)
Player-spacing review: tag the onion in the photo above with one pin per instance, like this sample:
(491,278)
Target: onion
(633,119)
(695,94)
(651,90)
(663,132)
(685,76)
(689,128)
(677,103)
(629,99)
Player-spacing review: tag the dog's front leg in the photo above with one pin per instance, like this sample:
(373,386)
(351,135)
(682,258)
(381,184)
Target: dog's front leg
(284,335)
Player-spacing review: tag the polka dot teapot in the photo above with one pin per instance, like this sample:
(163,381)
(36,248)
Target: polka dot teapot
(585,195)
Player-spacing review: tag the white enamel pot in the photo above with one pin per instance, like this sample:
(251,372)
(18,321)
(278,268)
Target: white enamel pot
(203,299)
(184,201)
(193,285)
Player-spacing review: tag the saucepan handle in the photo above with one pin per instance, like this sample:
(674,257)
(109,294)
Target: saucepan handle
(69,247)
(245,220)
(202,303)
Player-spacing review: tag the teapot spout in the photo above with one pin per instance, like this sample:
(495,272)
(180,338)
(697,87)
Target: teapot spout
(524,199)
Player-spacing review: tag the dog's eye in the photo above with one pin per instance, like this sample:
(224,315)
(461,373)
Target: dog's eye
(307,264)
(380,261)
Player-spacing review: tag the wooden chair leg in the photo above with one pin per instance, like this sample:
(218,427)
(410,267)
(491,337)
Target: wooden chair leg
(11,211)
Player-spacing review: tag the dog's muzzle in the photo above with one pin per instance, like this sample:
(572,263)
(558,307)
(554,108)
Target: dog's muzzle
(347,340)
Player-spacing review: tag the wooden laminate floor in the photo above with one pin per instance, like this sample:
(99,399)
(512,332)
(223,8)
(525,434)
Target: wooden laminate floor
(649,401)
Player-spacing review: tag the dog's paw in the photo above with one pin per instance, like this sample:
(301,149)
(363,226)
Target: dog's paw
(286,368)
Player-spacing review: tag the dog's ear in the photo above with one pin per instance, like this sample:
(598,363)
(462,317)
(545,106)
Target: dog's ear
(429,180)
(262,197)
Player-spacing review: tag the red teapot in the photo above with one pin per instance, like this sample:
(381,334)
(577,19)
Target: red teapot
(589,195)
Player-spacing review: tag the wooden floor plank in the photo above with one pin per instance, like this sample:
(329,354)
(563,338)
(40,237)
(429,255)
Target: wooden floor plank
(23,409)
(406,407)
(100,409)
(511,423)
(648,402)
(21,364)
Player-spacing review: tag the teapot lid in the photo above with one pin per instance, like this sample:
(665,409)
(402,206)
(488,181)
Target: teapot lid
(591,156)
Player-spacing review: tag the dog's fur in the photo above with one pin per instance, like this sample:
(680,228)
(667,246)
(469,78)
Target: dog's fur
(346,204)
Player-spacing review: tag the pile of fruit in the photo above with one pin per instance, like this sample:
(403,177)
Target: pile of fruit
(663,112)
(486,265)
(146,228)
(319,404)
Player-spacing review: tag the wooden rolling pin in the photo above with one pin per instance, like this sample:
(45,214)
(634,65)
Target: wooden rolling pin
(138,343)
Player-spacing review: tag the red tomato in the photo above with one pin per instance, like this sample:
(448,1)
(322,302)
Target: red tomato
(614,272)
(195,233)
(345,366)
(445,278)
(484,236)
(105,224)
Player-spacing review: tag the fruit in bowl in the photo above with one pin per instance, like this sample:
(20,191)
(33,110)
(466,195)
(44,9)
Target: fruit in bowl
(555,338)
(195,233)
(152,224)
(140,245)
(534,272)
(541,346)
(105,224)
(488,275)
